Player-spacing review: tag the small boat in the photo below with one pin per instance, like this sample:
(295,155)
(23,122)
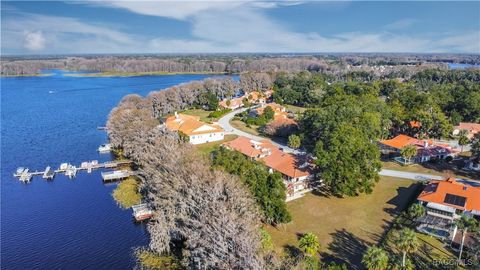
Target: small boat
(51,92)
(20,170)
(142,212)
(105,148)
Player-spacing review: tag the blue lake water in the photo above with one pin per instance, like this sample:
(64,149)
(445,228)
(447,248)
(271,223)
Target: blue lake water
(462,66)
(64,223)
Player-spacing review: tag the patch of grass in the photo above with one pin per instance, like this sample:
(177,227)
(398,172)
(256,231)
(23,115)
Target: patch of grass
(151,260)
(126,194)
(295,109)
(344,226)
(208,148)
(243,127)
(203,114)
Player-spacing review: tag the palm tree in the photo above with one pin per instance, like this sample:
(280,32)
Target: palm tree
(408,152)
(463,139)
(309,244)
(416,210)
(465,223)
(406,242)
(375,258)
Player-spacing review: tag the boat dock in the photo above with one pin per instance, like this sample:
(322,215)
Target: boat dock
(25,175)
(116,175)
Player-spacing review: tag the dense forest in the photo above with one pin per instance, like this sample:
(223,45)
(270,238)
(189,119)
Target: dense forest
(210,211)
(393,65)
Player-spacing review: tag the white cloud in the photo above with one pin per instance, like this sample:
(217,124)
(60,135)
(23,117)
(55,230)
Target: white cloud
(216,27)
(34,41)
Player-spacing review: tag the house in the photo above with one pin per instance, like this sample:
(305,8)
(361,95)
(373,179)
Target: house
(426,149)
(232,104)
(445,201)
(471,128)
(254,97)
(296,170)
(197,131)
(279,111)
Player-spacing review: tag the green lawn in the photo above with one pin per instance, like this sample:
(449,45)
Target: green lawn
(243,127)
(207,148)
(203,114)
(295,109)
(345,226)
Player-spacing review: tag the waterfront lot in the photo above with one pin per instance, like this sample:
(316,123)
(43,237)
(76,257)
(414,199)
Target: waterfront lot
(207,148)
(345,226)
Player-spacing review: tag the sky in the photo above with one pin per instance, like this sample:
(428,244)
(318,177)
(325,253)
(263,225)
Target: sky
(98,27)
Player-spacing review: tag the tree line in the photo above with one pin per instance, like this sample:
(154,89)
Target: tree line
(376,64)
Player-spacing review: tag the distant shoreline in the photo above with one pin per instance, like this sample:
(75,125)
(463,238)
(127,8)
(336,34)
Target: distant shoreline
(137,74)
(117,74)
(27,75)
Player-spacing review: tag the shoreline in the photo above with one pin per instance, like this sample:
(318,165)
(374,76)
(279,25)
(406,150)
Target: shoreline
(115,74)
(27,75)
(138,74)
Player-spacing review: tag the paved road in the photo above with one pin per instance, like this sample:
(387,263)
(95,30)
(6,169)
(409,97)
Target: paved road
(224,122)
(410,175)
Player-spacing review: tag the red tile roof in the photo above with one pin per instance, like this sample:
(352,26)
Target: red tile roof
(472,128)
(288,164)
(436,191)
(250,147)
(189,124)
(400,141)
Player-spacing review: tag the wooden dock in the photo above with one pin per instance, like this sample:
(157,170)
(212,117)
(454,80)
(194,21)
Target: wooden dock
(116,175)
(25,175)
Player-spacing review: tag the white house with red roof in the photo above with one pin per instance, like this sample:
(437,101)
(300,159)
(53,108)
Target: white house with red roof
(197,131)
(445,201)
(426,149)
(471,128)
(296,170)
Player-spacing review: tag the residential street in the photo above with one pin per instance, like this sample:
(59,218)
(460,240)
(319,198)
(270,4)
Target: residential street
(224,122)
(410,175)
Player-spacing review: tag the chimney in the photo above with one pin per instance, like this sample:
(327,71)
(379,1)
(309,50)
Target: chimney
(425,143)
(176,115)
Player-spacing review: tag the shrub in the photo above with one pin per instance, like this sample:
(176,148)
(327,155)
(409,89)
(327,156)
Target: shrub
(151,260)
(126,194)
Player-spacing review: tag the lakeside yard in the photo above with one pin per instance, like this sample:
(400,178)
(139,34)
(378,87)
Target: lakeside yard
(206,116)
(207,148)
(243,127)
(345,226)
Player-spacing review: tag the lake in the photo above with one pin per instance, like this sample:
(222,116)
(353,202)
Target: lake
(462,66)
(65,223)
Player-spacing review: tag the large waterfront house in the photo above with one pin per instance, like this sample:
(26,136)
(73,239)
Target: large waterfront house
(471,128)
(296,170)
(197,131)
(445,201)
(426,149)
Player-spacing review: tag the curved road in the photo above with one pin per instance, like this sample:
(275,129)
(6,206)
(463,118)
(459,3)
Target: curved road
(224,122)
